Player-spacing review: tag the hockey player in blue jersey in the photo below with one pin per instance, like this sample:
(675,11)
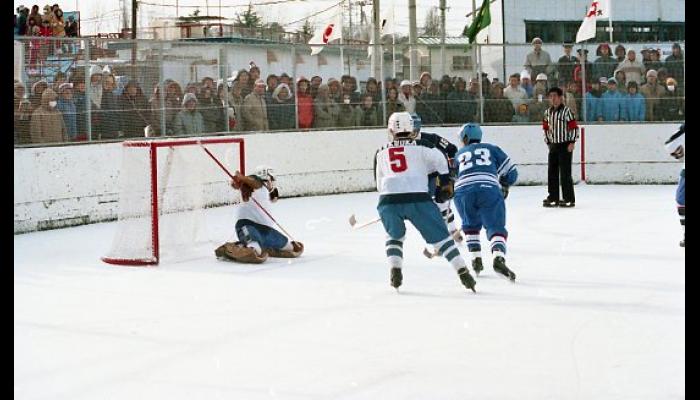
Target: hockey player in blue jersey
(401,171)
(449,150)
(676,146)
(484,175)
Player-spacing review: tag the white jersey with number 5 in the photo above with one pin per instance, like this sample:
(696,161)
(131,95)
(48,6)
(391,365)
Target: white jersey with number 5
(403,166)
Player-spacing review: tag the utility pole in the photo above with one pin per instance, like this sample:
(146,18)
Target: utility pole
(443,60)
(134,4)
(352,35)
(412,36)
(376,49)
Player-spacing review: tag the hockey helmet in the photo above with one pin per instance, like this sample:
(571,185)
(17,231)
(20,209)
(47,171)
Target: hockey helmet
(264,172)
(401,126)
(470,132)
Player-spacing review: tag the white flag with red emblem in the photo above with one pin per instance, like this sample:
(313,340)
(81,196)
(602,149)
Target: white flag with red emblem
(598,9)
(325,35)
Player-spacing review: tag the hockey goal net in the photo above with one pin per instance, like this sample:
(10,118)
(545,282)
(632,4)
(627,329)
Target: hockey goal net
(164,186)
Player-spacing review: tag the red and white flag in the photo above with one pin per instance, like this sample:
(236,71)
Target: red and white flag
(598,9)
(325,35)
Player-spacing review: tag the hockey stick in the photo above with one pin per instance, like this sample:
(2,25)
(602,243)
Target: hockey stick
(355,225)
(213,157)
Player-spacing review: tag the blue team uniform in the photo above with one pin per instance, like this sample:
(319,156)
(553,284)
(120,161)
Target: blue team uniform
(482,169)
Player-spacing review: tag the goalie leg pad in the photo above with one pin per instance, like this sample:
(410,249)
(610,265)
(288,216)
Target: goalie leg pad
(297,248)
(239,253)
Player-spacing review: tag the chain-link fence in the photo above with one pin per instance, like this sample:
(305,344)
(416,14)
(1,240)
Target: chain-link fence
(87,89)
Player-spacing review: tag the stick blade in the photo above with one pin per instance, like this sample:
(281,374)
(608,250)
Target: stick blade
(352,220)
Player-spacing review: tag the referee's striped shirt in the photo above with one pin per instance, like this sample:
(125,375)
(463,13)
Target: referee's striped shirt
(559,125)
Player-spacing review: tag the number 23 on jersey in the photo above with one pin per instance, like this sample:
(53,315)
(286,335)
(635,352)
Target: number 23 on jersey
(465,159)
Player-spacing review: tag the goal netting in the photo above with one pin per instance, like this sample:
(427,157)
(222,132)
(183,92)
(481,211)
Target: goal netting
(164,186)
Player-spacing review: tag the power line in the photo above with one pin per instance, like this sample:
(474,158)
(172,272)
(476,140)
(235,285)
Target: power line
(267,3)
(314,14)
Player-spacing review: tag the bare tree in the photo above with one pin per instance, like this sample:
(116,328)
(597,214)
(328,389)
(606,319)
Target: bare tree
(432,27)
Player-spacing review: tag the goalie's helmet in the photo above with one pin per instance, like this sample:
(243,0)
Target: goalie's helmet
(401,126)
(264,172)
(470,132)
(417,124)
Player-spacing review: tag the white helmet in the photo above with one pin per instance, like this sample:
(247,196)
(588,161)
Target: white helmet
(401,126)
(264,172)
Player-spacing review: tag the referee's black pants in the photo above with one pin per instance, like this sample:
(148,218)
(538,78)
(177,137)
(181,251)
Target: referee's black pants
(559,170)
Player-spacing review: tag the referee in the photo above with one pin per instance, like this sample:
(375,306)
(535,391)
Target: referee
(560,134)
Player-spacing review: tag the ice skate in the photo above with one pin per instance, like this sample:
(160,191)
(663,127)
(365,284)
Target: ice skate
(467,279)
(477,265)
(499,265)
(396,278)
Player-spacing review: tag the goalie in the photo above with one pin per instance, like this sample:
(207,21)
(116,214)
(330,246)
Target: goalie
(257,239)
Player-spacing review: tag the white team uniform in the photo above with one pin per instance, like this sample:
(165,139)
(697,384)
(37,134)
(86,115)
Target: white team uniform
(675,143)
(249,210)
(403,166)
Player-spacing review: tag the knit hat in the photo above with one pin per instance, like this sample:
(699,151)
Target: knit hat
(188,97)
(405,82)
(524,74)
(603,79)
(64,86)
(612,80)
(541,77)
(95,70)
(652,73)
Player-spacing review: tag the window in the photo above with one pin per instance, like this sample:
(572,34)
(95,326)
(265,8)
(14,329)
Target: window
(461,63)
(624,31)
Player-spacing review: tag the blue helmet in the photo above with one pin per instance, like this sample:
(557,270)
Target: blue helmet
(417,122)
(470,132)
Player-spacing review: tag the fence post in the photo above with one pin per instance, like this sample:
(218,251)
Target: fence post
(223,76)
(477,51)
(88,100)
(583,154)
(294,80)
(161,83)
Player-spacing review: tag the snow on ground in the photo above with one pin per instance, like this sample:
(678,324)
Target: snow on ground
(597,311)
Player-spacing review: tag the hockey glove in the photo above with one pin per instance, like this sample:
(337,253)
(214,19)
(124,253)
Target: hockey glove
(505,189)
(445,189)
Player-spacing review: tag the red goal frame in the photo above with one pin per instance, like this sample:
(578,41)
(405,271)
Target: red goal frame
(153,146)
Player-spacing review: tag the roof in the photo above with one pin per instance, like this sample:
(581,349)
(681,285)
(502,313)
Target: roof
(449,41)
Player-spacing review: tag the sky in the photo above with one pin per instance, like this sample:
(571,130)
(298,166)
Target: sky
(105,15)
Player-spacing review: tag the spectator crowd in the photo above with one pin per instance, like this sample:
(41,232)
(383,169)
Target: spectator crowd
(619,87)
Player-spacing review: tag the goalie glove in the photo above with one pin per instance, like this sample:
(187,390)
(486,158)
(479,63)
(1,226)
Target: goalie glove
(246,184)
(445,188)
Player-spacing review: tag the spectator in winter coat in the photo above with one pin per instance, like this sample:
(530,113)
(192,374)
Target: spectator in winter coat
(135,113)
(675,64)
(514,92)
(246,85)
(523,114)
(212,111)
(38,89)
(604,66)
(22,16)
(633,68)
(653,62)
(620,53)
(540,102)
(427,104)
(673,103)
(347,113)
(392,103)
(461,106)
(326,111)
(79,98)
(653,94)
(314,84)
(620,78)
(565,66)
(58,28)
(235,101)
(572,99)
(445,90)
(406,97)
(366,114)
(594,103)
(272,82)
(188,121)
(71,27)
(47,124)
(348,86)
(22,114)
(526,83)
(538,61)
(634,104)
(109,126)
(498,108)
(66,106)
(305,104)
(334,90)
(281,109)
(612,107)
(255,109)
(34,15)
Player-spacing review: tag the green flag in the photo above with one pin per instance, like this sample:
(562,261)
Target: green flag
(481,21)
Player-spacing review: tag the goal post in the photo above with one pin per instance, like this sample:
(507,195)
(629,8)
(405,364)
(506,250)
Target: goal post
(164,186)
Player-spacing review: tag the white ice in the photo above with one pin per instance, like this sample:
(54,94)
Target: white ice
(597,311)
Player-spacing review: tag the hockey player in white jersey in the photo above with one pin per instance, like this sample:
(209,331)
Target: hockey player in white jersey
(257,237)
(401,170)
(676,147)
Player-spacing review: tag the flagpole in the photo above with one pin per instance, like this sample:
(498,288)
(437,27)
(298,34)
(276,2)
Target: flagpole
(393,41)
(342,55)
(610,21)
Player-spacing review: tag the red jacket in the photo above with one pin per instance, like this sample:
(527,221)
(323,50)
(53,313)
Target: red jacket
(306,110)
(45,31)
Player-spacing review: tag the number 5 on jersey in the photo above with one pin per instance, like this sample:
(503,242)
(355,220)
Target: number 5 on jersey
(397,159)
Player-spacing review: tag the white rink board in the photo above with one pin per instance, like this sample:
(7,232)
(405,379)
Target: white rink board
(597,312)
(71,185)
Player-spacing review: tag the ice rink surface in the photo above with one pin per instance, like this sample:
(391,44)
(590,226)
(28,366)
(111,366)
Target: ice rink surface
(597,311)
